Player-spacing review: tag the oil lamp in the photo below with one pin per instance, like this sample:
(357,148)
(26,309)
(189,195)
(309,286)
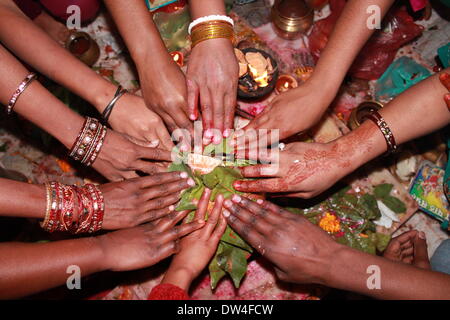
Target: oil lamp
(285,83)
(178,57)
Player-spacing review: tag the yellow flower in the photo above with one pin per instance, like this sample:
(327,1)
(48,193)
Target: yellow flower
(330,223)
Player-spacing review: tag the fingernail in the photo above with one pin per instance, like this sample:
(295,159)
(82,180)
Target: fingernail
(171,208)
(447,96)
(228,203)
(195,201)
(184,175)
(259,201)
(206,141)
(192,117)
(200,221)
(237,184)
(226,213)
(184,148)
(236,198)
(226,133)
(191,182)
(208,133)
(217,139)
(422,235)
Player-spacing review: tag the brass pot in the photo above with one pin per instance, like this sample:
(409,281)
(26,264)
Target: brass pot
(82,46)
(358,114)
(291,18)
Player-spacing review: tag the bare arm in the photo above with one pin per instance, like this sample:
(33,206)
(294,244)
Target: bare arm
(19,199)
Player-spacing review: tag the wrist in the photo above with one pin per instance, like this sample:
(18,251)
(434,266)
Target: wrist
(96,248)
(181,277)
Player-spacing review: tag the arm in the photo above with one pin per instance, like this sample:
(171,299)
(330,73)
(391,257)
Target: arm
(119,157)
(74,75)
(30,268)
(314,96)
(416,112)
(303,253)
(162,81)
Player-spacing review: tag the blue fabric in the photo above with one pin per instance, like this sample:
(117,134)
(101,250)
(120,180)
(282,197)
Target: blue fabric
(440,261)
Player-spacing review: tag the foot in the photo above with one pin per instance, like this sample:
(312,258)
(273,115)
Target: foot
(410,248)
(55,29)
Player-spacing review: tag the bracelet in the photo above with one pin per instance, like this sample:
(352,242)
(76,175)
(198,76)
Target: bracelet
(23,85)
(64,215)
(89,141)
(211,30)
(107,112)
(375,117)
(209,18)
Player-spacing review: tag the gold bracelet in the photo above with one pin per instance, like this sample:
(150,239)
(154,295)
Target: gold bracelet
(211,30)
(48,191)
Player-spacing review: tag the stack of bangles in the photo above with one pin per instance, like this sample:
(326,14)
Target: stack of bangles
(73,209)
(211,27)
(89,142)
(376,118)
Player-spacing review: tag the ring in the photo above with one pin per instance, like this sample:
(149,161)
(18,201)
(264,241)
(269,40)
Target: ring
(281,146)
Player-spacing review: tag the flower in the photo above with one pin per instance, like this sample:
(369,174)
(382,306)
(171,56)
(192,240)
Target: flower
(330,223)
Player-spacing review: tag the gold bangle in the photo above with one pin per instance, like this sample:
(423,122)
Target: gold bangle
(212,23)
(49,204)
(211,30)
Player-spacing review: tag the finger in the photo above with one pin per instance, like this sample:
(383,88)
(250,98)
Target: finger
(214,216)
(161,202)
(229,110)
(447,100)
(219,230)
(165,189)
(253,237)
(252,220)
(167,249)
(206,106)
(165,139)
(218,109)
(264,185)
(257,209)
(259,171)
(182,120)
(153,215)
(408,252)
(169,121)
(161,178)
(405,237)
(421,259)
(192,99)
(154,154)
(180,231)
(202,206)
(445,79)
(171,219)
(150,168)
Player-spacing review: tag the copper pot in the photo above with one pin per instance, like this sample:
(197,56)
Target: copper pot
(291,18)
(82,46)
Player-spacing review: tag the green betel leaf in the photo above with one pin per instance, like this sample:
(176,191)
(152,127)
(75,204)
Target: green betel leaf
(232,238)
(394,204)
(234,261)
(370,204)
(382,190)
(215,271)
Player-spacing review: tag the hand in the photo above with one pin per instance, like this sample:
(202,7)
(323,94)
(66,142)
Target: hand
(291,112)
(120,157)
(213,74)
(303,170)
(165,94)
(132,117)
(445,80)
(145,245)
(132,202)
(300,251)
(197,248)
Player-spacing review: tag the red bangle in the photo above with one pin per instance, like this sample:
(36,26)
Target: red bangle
(375,117)
(22,86)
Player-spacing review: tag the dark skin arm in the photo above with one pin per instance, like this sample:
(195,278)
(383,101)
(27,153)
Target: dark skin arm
(26,268)
(304,253)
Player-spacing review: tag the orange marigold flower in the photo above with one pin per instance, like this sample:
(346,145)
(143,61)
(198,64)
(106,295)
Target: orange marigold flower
(330,223)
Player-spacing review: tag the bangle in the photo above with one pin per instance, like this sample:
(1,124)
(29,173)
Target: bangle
(22,86)
(107,112)
(211,30)
(64,215)
(375,117)
(209,18)
(89,142)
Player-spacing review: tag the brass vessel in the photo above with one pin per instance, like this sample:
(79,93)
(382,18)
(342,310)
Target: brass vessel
(291,18)
(82,46)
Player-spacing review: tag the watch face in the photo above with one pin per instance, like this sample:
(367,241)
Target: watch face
(156,4)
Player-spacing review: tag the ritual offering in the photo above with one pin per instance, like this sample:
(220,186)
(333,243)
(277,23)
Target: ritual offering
(258,73)
(285,83)
(178,57)
(427,189)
